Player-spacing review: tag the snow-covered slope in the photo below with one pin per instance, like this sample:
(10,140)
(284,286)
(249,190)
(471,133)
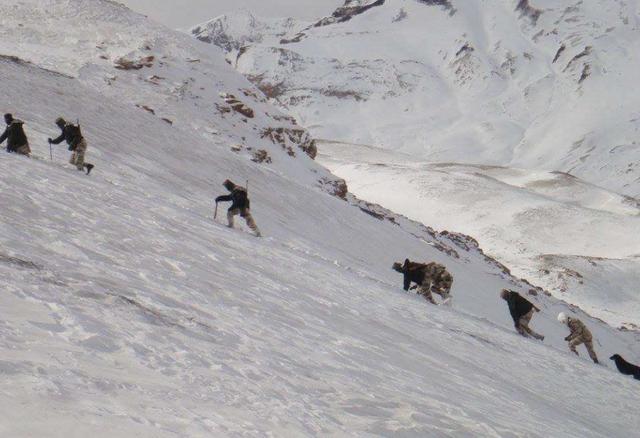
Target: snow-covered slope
(532,87)
(128,312)
(178,82)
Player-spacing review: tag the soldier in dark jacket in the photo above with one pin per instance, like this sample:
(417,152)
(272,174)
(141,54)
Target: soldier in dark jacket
(521,311)
(240,204)
(429,277)
(14,134)
(73,136)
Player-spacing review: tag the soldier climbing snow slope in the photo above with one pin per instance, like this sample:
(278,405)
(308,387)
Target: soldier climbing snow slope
(580,334)
(14,134)
(429,277)
(521,311)
(240,204)
(77,144)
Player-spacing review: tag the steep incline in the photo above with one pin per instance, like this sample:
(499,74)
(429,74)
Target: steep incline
(443,89)
(128,312)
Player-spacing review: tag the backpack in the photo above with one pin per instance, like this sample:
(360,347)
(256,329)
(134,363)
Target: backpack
(241,199)
(74,135)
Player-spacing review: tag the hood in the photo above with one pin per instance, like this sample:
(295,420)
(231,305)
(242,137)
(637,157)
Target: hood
(229,185)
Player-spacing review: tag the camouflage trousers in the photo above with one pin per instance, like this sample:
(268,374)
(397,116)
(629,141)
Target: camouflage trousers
(23,150)
(588,342)
(523,326)
(77,157)
(441,287)
(247,217)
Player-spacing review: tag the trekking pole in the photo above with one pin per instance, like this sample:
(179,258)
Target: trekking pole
(247,187)
(215,213)
(50,151)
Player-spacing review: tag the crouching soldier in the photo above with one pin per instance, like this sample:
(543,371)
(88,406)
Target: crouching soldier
(77,144)
(16,138)
(580,334)
(521,311)
(429,277)
(240,204)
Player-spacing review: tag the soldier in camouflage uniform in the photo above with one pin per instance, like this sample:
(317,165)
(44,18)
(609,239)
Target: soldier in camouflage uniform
(429,277)
(580,334)
(77,144)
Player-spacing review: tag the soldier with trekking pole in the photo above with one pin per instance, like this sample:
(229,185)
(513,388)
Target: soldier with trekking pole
(240,204)
(77,144)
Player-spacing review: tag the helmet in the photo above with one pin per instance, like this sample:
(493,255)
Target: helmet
(562,317)
(60,121)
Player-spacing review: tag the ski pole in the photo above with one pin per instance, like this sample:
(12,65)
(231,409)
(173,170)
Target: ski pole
(50,151)
(215,213)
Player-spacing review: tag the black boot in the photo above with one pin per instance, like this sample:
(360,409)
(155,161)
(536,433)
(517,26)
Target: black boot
(89,168)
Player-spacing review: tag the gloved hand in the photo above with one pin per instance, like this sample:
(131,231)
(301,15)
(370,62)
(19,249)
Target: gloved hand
(50,140)
(567,338)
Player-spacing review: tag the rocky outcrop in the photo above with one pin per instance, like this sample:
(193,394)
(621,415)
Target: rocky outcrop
(446,4)
(337,187)
(137,64)
(236,105)
(288,138)
(350,9)
(261,156)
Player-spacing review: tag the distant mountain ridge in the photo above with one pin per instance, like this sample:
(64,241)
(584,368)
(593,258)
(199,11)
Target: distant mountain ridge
(520,83)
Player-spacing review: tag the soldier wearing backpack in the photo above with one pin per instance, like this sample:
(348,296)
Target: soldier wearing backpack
(240,204)
(428,277)
(521,311)
(73,136)
(14,134)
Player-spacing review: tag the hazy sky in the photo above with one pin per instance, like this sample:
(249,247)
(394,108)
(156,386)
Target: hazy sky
(185,13)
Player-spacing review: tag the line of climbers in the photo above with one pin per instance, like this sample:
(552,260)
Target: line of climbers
(18,143)
(433,277)
(522,311)
(429,278)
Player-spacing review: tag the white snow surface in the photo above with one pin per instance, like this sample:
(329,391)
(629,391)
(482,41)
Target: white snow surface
(512,121)
(127,311)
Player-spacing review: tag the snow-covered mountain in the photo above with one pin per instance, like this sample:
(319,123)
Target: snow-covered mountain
(504,82)
(529,88)
(127,311)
